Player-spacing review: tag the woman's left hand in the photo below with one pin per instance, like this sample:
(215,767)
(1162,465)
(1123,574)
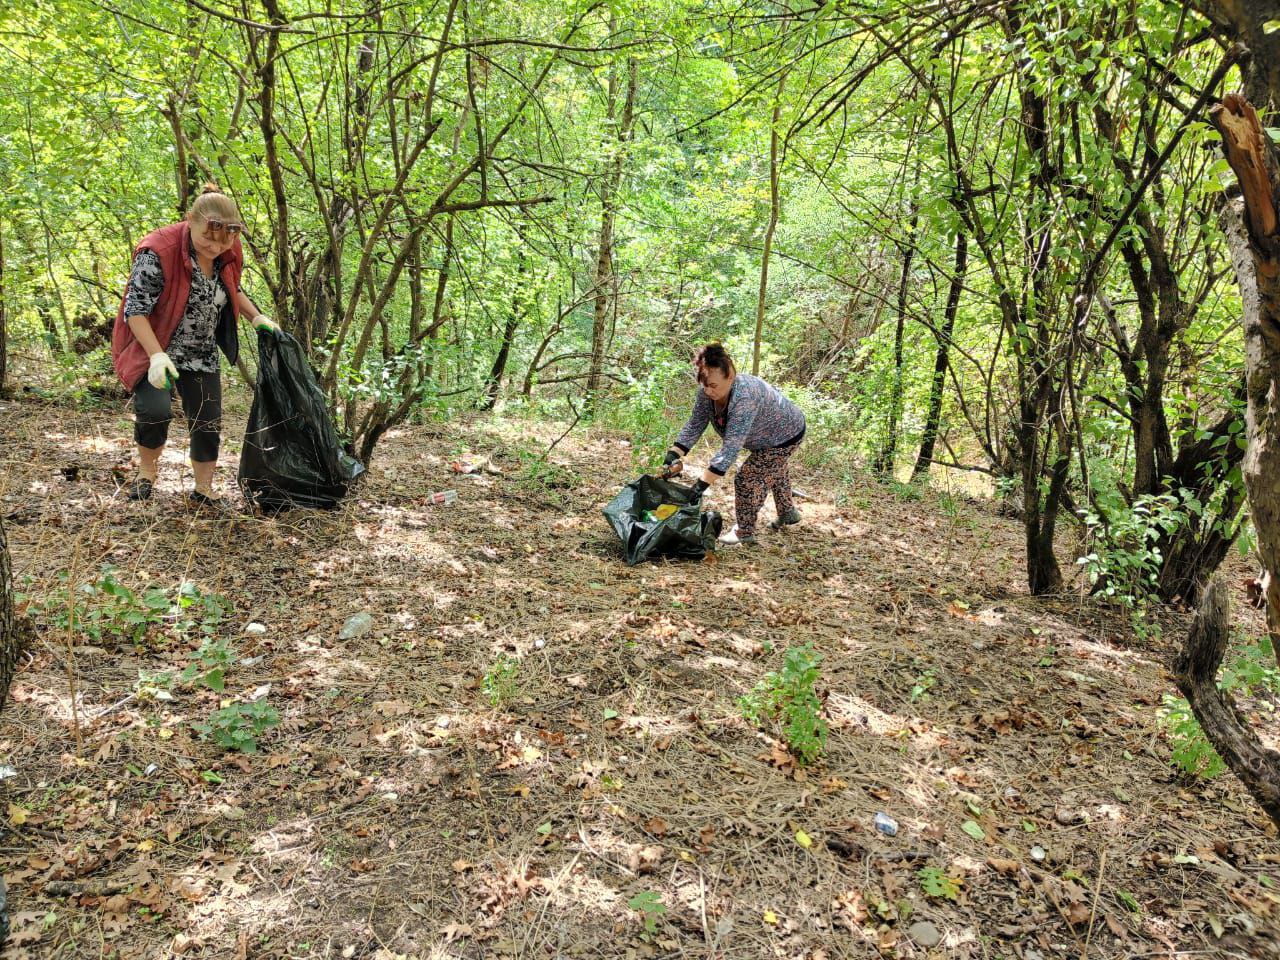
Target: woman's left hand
(265,323)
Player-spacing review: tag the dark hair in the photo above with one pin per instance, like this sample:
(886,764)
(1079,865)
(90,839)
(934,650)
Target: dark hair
(713,356)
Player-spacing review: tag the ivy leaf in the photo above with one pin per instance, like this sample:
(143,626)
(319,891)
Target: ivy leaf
(974,830)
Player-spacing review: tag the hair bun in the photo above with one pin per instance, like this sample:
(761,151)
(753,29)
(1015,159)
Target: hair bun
(210,187)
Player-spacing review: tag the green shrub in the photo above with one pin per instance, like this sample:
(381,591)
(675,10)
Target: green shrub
(789,699)
(1192,752)
(239,726)
(105,608)
(501,680)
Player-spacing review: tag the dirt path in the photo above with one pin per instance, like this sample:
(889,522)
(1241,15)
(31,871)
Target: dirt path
(614,803)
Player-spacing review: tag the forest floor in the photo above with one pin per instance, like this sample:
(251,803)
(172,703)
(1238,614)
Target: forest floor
(613,802)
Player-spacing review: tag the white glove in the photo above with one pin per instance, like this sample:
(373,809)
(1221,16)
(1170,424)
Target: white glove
(162,373)
(263,322)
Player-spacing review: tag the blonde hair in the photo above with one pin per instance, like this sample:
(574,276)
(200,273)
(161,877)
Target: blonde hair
(213,204)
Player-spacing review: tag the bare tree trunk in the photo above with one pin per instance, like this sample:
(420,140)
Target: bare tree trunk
(10,647)
(493,383)
(1254,241)
(4,320)
(1196,673)
(941,359)
(286,299)
(772,227)
(1193,551)
(889,448)
(1253,237)
(606,282)
(10,635)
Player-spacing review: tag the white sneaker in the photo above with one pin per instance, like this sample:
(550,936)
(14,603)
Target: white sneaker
(731,539)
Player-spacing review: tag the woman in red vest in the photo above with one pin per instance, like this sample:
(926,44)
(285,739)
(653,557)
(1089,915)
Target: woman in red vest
(180,307)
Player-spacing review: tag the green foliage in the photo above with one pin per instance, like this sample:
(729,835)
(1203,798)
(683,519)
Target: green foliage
(213,659)
(936,883)
(1251,670)
(651,908)
(103,608)
(501,681)
(107,609)
(1192,752)
(645,410)
(788,698)
(239,726)
(907,492)
(923,684)
(1125,559)
(193,610)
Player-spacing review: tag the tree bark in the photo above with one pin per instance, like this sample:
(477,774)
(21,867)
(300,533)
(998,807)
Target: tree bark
(4,319)
(493,382)
(13,632)
(942,357)
(889,449)
(606,282)
(1196,673)
(10,648)
(1193,552)
(772,227)
(1254,241)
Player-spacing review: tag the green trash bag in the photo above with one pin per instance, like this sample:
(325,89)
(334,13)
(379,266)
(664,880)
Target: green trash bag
(686,534)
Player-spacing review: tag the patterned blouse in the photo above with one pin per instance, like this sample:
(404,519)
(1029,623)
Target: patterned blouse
(193,346)
(757,417)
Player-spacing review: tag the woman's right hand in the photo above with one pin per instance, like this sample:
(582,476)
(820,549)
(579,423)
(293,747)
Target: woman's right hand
(162,372)
(672,465)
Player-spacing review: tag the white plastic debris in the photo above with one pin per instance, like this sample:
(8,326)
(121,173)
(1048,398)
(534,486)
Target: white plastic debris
(255,629)
(356,626)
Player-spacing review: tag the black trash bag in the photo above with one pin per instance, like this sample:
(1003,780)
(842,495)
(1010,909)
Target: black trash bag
(686,535)
(291,455)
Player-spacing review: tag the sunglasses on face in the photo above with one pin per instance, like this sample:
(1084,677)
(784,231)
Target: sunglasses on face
(218,227)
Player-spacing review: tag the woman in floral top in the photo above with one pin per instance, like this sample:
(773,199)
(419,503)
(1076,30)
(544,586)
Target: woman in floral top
(179,308)
(747,413)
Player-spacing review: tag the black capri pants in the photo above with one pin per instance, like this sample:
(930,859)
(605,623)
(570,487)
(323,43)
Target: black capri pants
(201,395)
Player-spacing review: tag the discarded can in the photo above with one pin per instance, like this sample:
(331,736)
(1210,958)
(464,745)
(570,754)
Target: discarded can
(886,824)
(444,496)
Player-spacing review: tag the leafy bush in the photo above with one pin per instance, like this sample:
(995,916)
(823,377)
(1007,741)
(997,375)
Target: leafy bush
(106,608)
(103,608)
(650,412)
(239,726)
(788,698)
(1250,671)
(1192,752)
(1125,560)
(501,680)
(650,907)
(213,659)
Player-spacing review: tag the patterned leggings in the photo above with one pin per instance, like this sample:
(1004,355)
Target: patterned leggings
(761,472)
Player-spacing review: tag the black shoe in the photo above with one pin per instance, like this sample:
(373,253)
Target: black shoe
(140,489)
(792,516)
(201,503)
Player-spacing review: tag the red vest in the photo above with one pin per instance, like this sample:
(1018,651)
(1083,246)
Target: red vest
(172,244)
